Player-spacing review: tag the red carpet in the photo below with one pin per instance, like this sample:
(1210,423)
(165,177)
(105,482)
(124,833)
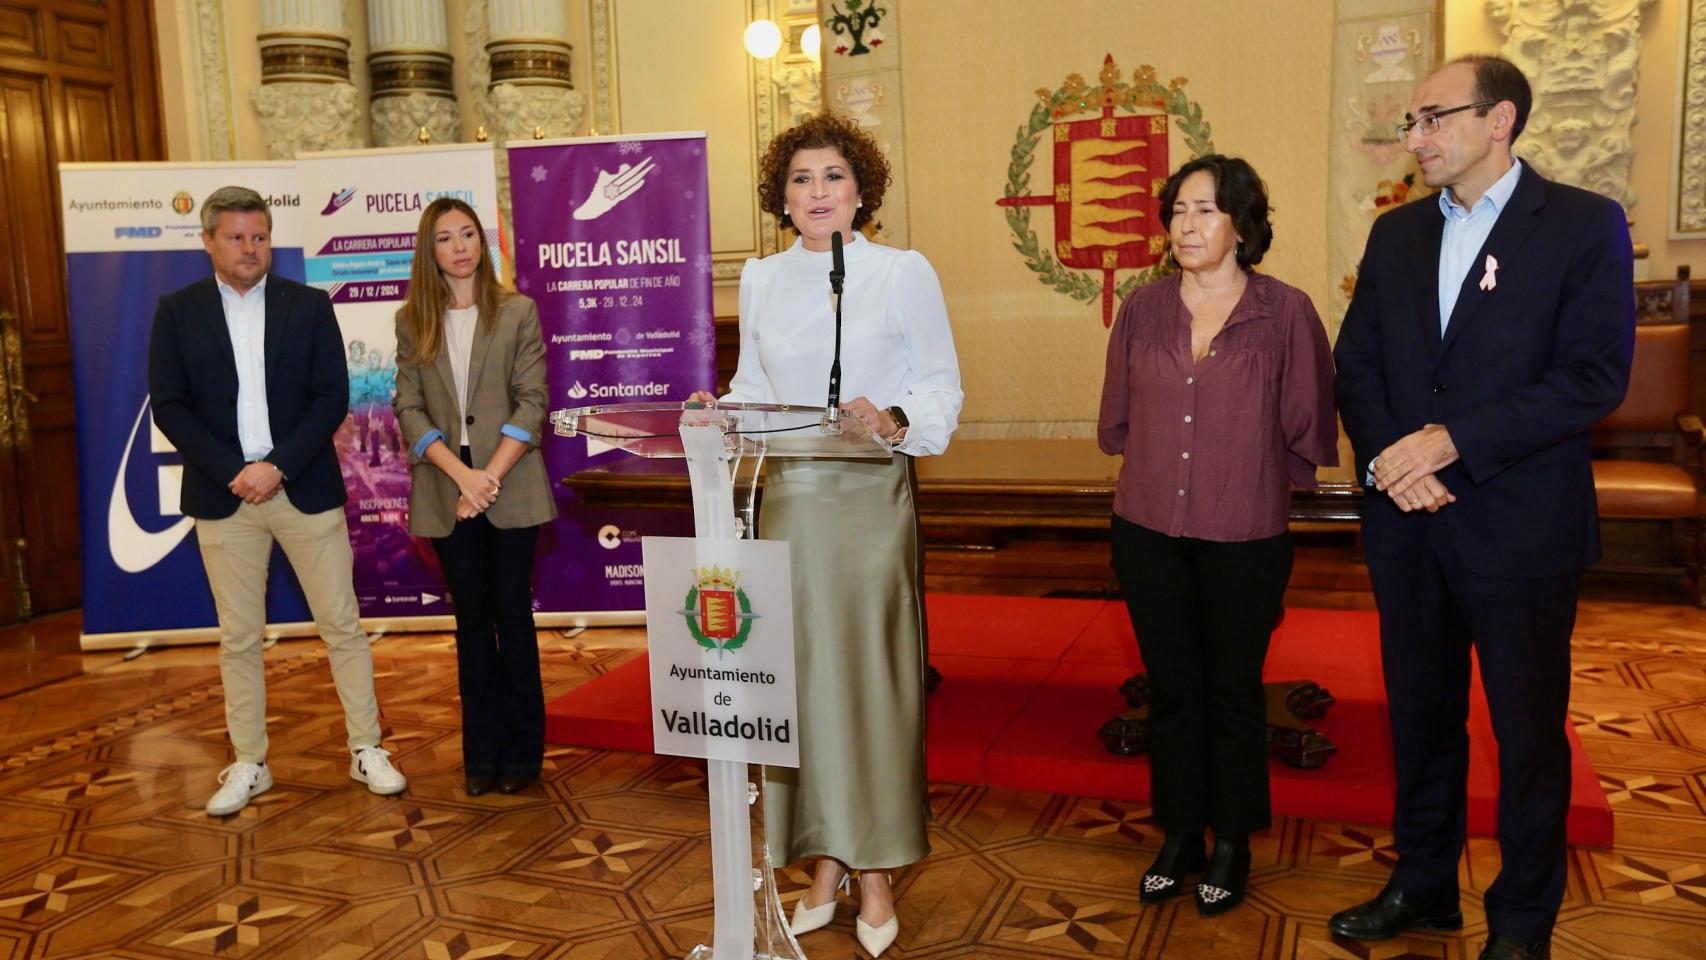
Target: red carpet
(1027,682)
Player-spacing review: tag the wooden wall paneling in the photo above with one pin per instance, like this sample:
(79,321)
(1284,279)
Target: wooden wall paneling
(83,44)
(91,118)
(78,82)
(20,31)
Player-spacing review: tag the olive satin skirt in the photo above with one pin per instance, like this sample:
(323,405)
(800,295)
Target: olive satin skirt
(859,794)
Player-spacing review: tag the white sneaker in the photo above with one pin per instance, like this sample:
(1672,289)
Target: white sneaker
(372,766)
(239,783)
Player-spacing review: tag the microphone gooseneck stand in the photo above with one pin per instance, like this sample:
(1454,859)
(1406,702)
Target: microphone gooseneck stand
(837,274)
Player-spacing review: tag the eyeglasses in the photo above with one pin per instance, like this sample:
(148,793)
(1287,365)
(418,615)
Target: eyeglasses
(1429,122)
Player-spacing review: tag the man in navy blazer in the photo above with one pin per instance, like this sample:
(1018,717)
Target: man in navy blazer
(246,376)
(1491,326)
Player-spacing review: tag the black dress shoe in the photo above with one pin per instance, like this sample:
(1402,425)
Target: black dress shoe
(1504,948)
(478,785)
(1181,854)
(1222,887)
(513,784)
(1395,911)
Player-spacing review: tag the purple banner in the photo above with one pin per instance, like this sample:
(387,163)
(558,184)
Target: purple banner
(613,241)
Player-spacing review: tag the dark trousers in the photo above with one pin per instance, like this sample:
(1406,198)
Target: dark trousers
(1203,612)
(1432,610)
(489,572)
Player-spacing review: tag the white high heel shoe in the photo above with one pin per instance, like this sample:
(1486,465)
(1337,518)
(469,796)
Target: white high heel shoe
(878,938)
(806,919)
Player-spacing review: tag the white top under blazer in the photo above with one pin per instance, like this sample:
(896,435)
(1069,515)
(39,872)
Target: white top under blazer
(896,345)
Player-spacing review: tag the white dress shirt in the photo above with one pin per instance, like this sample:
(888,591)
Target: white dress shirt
(897,348)
(459,343)
(1465,233)
(246,320)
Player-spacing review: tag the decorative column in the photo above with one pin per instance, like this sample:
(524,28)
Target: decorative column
(518,69)
(531,91)
(1581,59)
(306,101)
(409,63)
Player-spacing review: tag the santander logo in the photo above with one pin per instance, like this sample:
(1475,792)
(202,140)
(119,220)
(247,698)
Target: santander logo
(133,548)
(338,200)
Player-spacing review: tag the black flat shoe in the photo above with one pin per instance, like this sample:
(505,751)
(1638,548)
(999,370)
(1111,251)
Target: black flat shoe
(1222,887)
(1181,854)
(478,785)
(513,784)
(1504,948)
(1395,911)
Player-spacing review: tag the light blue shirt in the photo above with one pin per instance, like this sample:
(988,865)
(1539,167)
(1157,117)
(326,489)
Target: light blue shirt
(1465,232)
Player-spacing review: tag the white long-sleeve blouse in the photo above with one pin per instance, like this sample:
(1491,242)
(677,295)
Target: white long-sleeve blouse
(897,348)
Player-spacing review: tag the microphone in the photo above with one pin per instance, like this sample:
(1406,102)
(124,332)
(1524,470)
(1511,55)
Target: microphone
(838,264)
(837,274)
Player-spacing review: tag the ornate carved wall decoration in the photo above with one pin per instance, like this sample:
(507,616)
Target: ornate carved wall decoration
(306,101)
(861,69)
(800,85)
(410,66)
(605,118)
(1581,57)
(212,84)
(1688,171)
(1381,51)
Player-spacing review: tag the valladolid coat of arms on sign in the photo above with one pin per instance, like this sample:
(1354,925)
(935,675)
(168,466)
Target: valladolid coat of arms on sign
(1111,146)
(719,614)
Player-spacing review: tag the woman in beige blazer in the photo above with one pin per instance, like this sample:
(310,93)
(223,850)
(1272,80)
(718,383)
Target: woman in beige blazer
(471,402)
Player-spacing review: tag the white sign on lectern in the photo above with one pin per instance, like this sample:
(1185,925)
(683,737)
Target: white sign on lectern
(720,635)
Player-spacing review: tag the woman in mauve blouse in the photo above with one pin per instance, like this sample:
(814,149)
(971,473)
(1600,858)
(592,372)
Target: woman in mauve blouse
(1219,395)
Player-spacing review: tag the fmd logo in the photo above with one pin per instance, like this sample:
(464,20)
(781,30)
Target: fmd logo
(136,233)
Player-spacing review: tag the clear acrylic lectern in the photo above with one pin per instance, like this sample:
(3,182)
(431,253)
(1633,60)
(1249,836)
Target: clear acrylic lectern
(715,440)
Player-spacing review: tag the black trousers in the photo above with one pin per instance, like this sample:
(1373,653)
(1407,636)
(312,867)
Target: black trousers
(1432,610)
(489,572)
(1203,612)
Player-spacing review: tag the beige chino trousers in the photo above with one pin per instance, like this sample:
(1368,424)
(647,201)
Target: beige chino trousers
(235,552)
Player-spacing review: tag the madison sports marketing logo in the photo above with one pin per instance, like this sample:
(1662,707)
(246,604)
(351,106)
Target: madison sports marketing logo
(338,201)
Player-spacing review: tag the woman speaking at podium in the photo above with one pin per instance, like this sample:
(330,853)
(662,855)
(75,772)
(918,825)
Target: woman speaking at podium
(858,799)
(470,401)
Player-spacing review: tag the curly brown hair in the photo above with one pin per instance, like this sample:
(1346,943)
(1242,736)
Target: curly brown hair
(869,167)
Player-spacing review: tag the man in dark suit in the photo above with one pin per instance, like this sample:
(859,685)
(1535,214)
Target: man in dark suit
(246,376)
(1491,326)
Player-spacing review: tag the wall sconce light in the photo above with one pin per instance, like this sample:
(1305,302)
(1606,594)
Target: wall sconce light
(811,43)
(763,39)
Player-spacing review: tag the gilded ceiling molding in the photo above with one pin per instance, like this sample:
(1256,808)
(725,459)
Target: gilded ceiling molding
(1581,59)
(1688,170)
(306,101)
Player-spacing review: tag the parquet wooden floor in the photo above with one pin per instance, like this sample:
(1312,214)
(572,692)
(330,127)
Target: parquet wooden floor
(105,850)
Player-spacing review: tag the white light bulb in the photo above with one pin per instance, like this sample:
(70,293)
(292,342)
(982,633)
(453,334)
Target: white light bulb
(763,39)
(811,43)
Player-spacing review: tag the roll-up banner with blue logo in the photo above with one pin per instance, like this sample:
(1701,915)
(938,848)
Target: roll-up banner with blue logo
(132,234)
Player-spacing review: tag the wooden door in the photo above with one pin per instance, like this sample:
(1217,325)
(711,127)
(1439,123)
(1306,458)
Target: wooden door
(77,83)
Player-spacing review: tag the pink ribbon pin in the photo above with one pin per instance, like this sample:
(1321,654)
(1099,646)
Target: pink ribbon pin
(1488,279)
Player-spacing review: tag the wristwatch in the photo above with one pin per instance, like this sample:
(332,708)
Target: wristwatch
(900,421)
